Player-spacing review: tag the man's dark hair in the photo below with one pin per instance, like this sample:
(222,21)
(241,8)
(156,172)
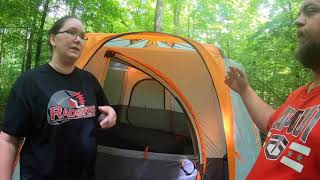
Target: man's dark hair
(57,26)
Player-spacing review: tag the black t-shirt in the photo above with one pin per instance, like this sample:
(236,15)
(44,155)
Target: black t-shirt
(57,114)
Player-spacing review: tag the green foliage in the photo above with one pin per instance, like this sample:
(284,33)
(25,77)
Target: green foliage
(257,33)
(268,55)
(3,101)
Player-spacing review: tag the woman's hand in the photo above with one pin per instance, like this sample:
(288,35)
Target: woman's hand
(108,117)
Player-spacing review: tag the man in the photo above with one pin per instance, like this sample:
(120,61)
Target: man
(291,150)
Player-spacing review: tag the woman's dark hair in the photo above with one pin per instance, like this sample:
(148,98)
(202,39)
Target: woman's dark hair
(57,26)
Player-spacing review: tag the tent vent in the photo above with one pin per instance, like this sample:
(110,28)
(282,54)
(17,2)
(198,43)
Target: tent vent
(109,54)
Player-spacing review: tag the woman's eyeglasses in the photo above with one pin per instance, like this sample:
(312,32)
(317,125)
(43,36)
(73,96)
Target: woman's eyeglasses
(74,34)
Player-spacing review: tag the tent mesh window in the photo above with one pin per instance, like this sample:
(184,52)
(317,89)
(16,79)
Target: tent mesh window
(149,116)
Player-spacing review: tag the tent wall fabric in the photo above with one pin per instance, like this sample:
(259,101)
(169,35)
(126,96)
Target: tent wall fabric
(246,134)
(176,117)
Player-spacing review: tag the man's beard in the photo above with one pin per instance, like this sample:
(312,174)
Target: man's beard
(309,55)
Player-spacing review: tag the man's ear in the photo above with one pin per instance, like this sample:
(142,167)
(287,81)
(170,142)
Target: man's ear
(52,40)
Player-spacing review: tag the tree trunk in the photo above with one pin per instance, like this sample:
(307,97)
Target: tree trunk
(73,10)
(188,20)
(1,49)
(25,51)
(75,5)
(40,34)
(290,12)
(1,59)
(177,10)
(192,27)
(158,17)
(29,50)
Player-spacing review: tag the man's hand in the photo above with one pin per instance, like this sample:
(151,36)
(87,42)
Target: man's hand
(259,110)
(237,80)
(108,117)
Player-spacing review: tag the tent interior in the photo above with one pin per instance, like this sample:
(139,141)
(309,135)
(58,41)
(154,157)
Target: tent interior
(144,121)
(144,127)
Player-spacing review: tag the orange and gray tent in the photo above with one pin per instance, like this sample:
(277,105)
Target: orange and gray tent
(176,119)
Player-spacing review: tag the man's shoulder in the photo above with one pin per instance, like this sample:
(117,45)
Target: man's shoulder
(297,93)
(299,90)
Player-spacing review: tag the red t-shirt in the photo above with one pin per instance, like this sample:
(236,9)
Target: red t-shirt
(292,147)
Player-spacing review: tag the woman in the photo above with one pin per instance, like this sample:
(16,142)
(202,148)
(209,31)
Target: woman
(56,108)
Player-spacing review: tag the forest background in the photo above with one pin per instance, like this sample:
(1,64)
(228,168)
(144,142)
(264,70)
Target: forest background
(259,34)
